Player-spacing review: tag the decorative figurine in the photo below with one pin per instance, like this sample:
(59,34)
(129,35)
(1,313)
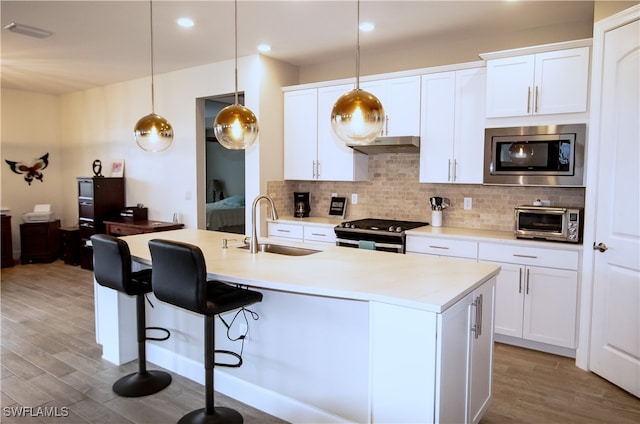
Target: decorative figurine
(97,168)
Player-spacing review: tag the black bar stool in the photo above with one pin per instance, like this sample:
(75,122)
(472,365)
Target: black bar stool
(180,278)
(112,269)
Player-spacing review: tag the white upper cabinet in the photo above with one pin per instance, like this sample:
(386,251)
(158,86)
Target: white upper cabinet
(300,134)
(400,98)
(311,150)
(452,133)
(538,84)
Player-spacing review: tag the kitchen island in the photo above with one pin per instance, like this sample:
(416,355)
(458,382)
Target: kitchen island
(343,335)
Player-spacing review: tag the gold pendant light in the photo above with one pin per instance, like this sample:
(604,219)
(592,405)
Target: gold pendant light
(357,116)
(153,133)
(235,126)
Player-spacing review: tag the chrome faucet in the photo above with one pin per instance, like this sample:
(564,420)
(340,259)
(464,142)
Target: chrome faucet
(253,243)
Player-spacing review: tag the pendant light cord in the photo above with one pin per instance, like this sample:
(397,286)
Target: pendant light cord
(358,49)
(235,35)
(153,102)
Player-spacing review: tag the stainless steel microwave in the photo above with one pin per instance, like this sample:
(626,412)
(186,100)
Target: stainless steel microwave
(550,155)
(549,223)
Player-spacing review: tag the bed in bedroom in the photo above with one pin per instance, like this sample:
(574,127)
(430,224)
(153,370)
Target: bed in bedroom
(226,215)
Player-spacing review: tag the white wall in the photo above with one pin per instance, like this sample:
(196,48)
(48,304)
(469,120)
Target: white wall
(30,129)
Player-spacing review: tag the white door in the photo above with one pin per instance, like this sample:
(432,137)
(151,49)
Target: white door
(615,337)
(300,134)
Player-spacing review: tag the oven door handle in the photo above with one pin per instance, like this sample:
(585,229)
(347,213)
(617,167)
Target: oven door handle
(375,244)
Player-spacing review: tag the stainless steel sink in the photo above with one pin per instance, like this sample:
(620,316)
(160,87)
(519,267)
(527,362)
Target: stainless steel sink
(282,250)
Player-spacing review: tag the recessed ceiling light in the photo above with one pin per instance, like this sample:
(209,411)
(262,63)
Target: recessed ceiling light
(367,26)
(185,22)
(264,48)
(27,30)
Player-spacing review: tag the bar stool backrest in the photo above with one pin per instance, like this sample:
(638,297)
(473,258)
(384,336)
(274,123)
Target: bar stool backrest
(179,275)
(112,263)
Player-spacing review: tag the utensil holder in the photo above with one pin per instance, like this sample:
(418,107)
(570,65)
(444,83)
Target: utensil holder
(436,218)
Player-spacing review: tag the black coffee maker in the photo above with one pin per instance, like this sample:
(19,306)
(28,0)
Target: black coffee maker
(301,205)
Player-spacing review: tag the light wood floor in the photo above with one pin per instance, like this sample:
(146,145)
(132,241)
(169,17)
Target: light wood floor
(50,359)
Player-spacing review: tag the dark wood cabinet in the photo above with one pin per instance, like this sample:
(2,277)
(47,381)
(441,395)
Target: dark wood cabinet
(99,199)
(70,245)
(7,242)
(39,241)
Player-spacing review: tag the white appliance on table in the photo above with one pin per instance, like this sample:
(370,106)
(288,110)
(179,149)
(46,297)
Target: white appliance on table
(41,213)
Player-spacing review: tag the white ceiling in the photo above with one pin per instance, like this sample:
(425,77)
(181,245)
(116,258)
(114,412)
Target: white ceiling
(101,42)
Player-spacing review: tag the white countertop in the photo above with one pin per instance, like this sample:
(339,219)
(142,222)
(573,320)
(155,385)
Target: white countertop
(414,281)
(469,234)
(472,234)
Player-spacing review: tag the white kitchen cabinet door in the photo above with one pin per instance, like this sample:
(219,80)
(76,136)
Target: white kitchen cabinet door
(509,302)
(300,134)
(550,306)
(336,161)
(509,84)
(561,81)
(285,230)
(465,357)
(452,133)
(538,84)
(470,102)
(400,98)
(481,357)
(438,122)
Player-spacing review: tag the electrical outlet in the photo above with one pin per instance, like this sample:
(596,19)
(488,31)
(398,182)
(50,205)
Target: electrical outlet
(354,198)
(468,203)
(334,194)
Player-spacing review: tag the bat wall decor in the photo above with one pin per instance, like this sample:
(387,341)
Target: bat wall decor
(30,172)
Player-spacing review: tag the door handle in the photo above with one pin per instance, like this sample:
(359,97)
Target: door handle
(600,246)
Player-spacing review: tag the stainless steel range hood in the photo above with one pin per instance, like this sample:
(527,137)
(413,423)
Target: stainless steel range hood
(398,144)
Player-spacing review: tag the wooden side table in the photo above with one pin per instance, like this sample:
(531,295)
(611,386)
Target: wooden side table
(39,241)
(129,228)
(70,245)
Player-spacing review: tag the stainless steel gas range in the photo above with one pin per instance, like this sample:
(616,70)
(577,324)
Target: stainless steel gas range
(375,234)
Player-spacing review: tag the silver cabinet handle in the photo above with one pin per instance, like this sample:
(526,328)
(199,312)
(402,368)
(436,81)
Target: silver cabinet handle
(528,99)
(313,170)
(283,231)
(525,256)
(601,247)
(455,170)
(535,100)
(439,247)
(520,282)
(386,125)
(481,300)
(319,234)
(449,170)
(527,291)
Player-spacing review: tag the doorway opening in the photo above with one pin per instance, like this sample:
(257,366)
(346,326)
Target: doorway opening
(224,174)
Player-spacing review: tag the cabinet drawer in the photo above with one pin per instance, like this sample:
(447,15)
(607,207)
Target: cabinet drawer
(552,258)
(85,209)
(443,247)
(86,228)
(122,230)
(319,233)
(292,231)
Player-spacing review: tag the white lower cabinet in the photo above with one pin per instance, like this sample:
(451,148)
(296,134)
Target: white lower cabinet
(447,357)
(464,365)
(304,232)
(536,299)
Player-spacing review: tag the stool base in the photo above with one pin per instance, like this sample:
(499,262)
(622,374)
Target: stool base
(221,415)
(142,384)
